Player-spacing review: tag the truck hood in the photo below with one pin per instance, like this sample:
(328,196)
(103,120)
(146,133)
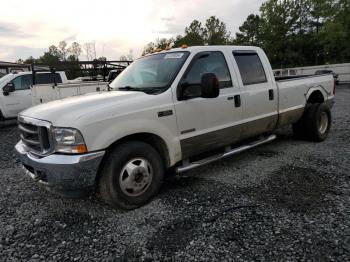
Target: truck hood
(68,111)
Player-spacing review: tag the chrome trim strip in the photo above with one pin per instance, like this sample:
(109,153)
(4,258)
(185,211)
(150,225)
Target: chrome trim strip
(21,127)
(34,121)
(237,150)
(65,159)
(29,141)
(38,123)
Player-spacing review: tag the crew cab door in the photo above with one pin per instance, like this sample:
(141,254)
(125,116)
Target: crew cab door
(207,123)
(20,99)
(258,91)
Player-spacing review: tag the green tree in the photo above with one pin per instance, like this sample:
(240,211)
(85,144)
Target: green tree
(20,61)
(30,60)
(194,35)
(278,19)
(159,44)
(215,32)
(53,56)
(250,31)
(334,36)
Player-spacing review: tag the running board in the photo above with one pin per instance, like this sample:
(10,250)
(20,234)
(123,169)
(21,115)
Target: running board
(229,152)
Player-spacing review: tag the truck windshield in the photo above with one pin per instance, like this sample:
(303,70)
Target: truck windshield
(5,78)
(151,73)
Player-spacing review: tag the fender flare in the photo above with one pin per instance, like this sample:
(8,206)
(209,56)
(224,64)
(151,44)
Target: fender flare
(313,89)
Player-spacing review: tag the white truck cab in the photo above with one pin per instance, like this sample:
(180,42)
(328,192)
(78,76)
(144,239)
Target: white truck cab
(175,109)
(15,91)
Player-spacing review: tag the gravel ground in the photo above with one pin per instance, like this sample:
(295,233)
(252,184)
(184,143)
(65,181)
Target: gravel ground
(288,200)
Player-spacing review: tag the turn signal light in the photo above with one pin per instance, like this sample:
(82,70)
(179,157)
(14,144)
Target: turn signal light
(81,149)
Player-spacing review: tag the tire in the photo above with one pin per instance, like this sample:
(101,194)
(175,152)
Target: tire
(299,128)
(131,175)
(318,121)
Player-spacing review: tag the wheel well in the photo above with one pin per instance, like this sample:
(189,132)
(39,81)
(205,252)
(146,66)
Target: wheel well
(151,139)
(315,97)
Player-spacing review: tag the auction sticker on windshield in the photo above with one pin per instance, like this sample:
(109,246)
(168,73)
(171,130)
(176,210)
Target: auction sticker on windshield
(173,56)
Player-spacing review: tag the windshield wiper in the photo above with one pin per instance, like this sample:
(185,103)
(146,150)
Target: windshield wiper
(128,88)
(139,89)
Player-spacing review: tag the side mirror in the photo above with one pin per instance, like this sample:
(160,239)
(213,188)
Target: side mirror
(210,85)
(180,90)
(8,88)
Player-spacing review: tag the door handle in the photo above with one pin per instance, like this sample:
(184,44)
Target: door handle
(271,94)
(237,100)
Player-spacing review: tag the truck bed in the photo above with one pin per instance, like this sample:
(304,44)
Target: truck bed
(292,91)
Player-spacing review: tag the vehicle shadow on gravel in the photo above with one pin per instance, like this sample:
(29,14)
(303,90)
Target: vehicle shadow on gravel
(198,204)
(299,189)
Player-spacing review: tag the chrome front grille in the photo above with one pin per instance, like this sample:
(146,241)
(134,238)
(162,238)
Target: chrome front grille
(35,135)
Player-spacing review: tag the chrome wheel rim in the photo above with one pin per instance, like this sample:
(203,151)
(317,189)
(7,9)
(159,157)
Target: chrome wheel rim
(323,125)
(135,177)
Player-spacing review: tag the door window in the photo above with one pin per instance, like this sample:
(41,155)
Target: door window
(18,83)
(22,82)
(27,81)
(250,68)
(202,63)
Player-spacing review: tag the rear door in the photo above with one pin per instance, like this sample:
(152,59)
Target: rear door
(208,123)
(20,99)
(258,91)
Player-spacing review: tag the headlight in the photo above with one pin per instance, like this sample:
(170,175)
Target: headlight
(68,140)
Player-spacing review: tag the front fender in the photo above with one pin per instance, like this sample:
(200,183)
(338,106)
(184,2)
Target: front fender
(101,136)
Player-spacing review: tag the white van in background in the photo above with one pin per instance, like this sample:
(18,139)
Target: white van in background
(15,91)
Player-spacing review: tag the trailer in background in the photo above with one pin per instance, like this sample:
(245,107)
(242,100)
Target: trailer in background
(342,70)
(94,77)
(9,67)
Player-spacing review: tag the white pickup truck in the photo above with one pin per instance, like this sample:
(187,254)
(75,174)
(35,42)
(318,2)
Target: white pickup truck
(177,110)
(19,93)
(15,95)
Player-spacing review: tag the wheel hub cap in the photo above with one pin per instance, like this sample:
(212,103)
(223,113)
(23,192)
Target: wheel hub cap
(135,177)
(323,123)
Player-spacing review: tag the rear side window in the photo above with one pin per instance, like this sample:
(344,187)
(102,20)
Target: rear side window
(47,78)
(250,67)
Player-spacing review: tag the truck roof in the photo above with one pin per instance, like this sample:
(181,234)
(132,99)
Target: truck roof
(208,48)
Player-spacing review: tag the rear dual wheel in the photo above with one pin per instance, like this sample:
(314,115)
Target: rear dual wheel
(315,123)
(132,174)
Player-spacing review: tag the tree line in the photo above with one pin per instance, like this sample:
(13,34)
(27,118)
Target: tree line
(71,53)
(291,32)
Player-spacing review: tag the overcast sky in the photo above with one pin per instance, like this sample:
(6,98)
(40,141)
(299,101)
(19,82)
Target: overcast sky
(117,26)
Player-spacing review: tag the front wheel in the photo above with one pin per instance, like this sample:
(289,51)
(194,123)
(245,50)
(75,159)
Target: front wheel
(132,174)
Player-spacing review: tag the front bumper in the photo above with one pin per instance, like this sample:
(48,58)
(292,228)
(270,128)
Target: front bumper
(61,172)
